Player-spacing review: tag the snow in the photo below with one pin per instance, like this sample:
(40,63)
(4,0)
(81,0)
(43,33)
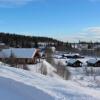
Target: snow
(13,90)
(50,69)
(37,68)
(84,60)
(18,84)
(53,49)
(57,56)
(18,52)
(71,54)
(2,44)
(93,61)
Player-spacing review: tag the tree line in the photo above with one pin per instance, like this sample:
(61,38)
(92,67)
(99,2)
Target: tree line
(15,40)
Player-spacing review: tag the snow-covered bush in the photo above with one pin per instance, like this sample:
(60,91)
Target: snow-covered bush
(43,69)
(63,71)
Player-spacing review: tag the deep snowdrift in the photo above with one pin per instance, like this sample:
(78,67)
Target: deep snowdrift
(17,84)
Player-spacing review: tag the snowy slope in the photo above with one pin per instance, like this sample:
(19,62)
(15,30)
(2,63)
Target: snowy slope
(17,84)
(37,68)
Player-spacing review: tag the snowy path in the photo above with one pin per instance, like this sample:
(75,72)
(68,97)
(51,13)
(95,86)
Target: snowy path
(24,84)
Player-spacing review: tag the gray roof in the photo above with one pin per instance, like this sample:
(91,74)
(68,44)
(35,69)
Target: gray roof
(72,61)
(18,52)
(93,61)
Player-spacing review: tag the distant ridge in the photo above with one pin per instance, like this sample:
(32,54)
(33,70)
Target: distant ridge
(15,40)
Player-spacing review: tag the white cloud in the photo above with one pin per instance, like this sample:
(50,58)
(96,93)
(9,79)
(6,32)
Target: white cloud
(88,34)
(94,30)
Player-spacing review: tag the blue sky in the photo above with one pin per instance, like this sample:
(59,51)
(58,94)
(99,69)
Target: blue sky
(67,20)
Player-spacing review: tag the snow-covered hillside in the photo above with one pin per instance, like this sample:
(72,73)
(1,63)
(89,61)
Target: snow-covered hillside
(18,84)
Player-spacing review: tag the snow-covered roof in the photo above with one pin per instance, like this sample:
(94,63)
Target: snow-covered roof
(2,44)
(53,49)
(93,61)
(72,61)
(71,54)
(18,52)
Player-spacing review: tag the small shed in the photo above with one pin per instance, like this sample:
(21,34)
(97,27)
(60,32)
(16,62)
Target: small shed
(93,63)
(74,63)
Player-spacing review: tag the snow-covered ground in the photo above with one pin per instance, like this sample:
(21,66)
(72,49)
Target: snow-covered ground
(37,68)
(18,84)
(85,76)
